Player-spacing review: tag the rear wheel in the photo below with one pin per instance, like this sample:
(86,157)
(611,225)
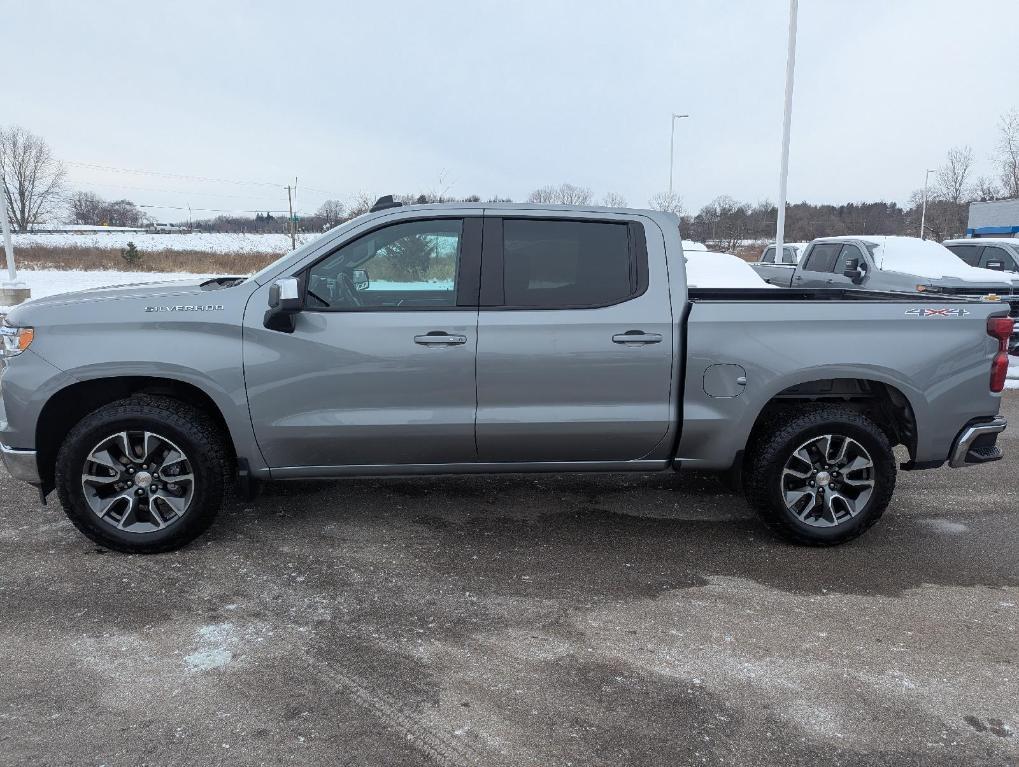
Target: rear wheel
(822,477)
(145,474)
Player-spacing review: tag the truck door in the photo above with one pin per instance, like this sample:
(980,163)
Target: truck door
(575,340)
(380,366)
(817,266)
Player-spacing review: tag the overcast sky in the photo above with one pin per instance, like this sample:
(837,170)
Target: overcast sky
(499,98)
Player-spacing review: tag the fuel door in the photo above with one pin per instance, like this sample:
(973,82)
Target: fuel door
(725,381)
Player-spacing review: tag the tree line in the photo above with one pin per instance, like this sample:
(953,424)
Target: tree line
(34,182)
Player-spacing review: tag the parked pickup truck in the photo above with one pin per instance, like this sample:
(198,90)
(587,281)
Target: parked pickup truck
(490,338)
(893,264)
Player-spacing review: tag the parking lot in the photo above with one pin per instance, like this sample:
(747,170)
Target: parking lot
(538,620)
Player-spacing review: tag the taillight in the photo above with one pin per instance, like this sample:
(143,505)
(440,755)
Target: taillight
(1000,328)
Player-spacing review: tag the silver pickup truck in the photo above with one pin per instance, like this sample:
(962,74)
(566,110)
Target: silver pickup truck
(489,338)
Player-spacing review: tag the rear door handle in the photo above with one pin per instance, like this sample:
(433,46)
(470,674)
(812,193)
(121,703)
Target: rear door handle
(636,337)
(440,338)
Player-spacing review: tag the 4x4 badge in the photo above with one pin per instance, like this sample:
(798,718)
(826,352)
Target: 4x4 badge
(925,312)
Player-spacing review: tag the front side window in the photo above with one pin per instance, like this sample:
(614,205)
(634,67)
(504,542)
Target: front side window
(769,255)
(996,258)
(789,254)
(411,265)
(848,254)
(561,264)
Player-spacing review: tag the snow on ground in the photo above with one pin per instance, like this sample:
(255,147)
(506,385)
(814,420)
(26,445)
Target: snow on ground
(218,242)
(1012,382)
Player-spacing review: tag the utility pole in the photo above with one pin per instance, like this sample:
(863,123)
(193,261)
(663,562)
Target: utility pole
(672,149)
(790,68)
(923,215)
(290,204)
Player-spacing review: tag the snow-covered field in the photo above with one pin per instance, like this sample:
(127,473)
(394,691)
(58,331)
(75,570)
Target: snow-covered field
(220,242)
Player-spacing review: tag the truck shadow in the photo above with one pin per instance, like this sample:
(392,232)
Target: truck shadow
(618,534)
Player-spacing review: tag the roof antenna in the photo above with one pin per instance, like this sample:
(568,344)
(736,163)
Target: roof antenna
(384,203)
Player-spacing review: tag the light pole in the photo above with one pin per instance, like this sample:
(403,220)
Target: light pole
(5,222)
(672,149)
(790,67)
(923,215)
(11,291)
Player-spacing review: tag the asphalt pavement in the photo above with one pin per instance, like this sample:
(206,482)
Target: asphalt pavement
(520,620)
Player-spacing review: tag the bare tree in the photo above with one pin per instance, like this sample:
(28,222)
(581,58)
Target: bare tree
(362,204)
(33,180)
(564,194)
(332,211)
(613,200)
(986,189)
(86,208)
(950,184)
(669,202)
(1008,153)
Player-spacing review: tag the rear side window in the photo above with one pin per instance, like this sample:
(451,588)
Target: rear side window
(822,257)
(562,264)
(968,253)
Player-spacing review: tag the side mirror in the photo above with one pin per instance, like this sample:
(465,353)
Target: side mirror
(284,303)
(853,271)
(361,279)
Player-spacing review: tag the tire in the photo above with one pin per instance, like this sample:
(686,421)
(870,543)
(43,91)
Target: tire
(846,508)
(134,513)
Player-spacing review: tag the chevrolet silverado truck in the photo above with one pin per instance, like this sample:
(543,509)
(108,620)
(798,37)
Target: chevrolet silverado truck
(905,264)
(464,338)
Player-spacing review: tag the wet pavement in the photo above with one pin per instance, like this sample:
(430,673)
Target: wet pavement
(520,620)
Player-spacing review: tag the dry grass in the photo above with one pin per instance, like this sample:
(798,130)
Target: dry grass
(96,259)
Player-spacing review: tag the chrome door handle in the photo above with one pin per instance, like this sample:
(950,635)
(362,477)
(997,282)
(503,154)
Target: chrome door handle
(636,337)
(438,338)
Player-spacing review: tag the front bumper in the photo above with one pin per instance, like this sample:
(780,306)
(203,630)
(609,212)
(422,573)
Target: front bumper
(976,443)
(21,464)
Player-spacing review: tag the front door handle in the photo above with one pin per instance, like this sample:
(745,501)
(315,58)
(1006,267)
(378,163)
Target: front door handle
(440,338)
(636,337)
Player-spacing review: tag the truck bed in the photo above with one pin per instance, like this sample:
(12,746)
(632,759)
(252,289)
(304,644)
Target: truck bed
(819,294)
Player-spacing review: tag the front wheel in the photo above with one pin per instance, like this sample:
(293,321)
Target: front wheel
(823,477)
(142,475)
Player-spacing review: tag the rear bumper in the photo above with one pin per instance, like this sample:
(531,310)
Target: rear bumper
(21,464)
(976,443)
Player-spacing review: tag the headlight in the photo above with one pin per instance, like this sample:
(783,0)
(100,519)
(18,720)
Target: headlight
(13,341)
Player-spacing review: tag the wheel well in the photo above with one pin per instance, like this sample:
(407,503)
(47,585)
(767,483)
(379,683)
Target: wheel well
(68,406)
(882,403)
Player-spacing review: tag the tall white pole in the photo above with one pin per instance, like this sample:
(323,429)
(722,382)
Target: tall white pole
(923,215)
(12,270)
(790,67)
(672,148)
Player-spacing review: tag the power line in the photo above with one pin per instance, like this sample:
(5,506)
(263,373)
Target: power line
(94,166)
(99,184)
(208,179)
